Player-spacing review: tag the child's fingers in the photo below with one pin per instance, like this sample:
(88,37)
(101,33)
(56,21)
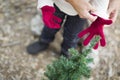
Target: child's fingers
(113,16)
(91,8)
(90,17)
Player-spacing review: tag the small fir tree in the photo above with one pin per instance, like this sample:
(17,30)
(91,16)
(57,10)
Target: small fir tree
(73,68)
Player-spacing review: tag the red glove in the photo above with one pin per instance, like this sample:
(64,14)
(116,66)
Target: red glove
(49,19)
(96,28)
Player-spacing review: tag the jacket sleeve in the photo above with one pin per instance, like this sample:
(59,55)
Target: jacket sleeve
(42,3)
(101,8)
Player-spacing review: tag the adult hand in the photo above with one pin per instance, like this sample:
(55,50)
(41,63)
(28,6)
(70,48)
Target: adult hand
(83,8)
(113,9)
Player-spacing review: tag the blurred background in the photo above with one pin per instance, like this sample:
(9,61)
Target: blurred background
(20,25)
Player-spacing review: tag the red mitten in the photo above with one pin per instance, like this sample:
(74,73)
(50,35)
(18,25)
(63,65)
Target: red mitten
(96,28)
(49,19)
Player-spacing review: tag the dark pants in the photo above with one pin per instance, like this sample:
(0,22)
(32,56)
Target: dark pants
(72,26)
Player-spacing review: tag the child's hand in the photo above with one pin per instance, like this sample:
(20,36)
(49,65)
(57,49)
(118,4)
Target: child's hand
(83,8)
(113,8)
(96,28)
(49,19)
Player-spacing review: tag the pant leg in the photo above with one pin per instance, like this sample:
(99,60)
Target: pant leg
(72,26)
(48,34)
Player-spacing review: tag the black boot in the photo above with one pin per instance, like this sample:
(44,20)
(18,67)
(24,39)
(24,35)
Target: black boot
(37,47)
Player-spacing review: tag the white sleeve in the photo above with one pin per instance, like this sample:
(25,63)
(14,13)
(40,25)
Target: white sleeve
(101,8)
(42,3)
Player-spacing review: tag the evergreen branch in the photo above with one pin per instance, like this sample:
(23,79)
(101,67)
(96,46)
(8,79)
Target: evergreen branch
(73,68)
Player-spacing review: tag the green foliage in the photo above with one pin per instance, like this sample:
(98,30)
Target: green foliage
(73,68)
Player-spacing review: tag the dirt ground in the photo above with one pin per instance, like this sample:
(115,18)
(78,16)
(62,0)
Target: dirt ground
(15,34)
